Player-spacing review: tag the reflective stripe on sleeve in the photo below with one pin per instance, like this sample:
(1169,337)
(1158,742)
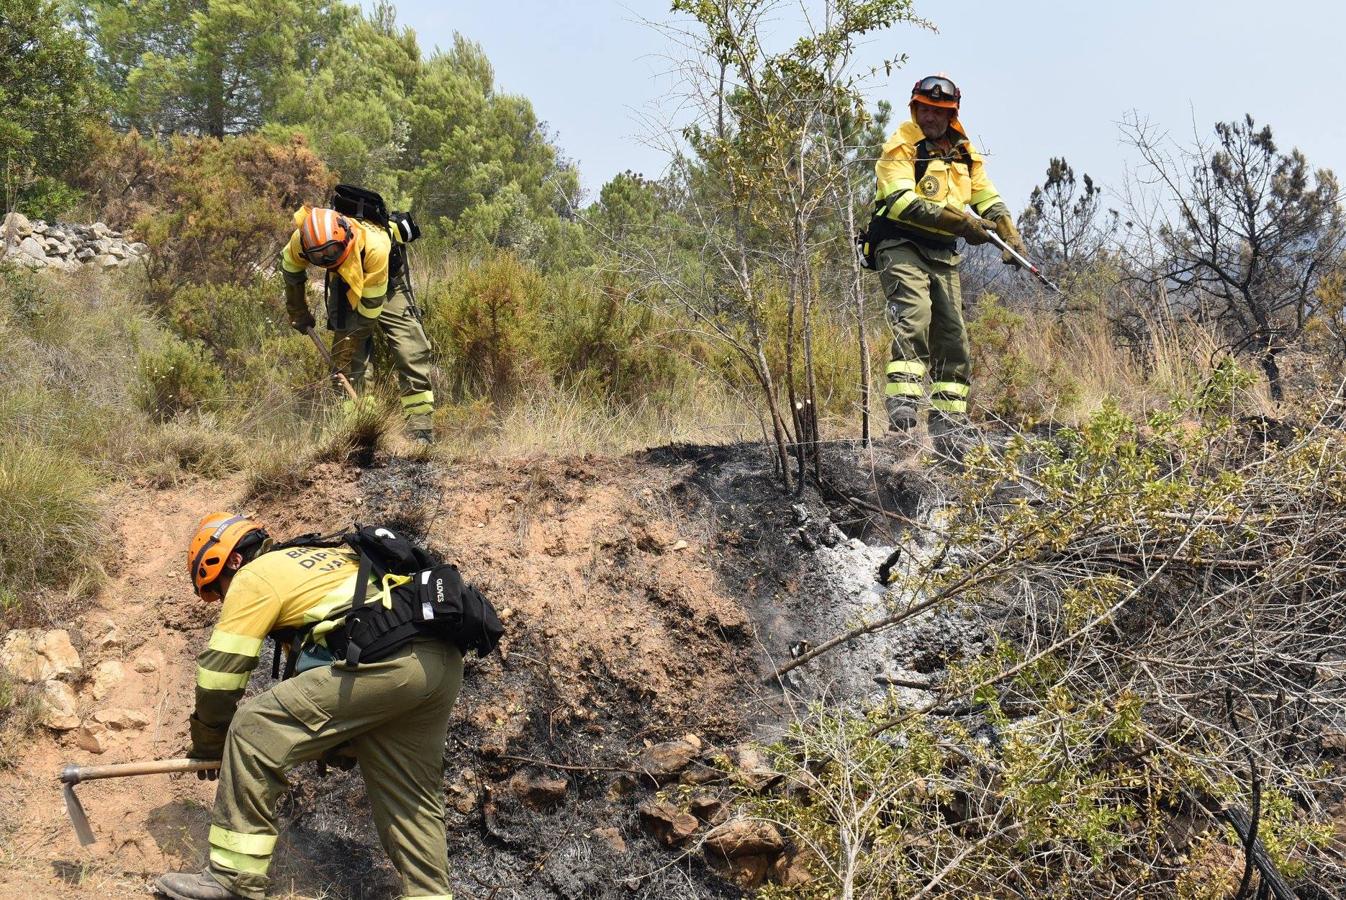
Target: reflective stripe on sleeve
(221,681)
(241,644)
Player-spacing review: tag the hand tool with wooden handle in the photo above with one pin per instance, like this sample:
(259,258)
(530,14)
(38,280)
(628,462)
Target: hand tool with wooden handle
(73,775)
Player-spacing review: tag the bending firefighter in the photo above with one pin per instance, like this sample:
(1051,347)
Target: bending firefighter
(928,174)
(391,713)
(365,294)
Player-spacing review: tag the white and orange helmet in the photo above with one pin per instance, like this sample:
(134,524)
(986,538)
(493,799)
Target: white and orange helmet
(326,238)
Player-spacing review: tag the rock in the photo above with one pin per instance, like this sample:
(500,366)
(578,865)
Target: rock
(122,719)
(99,230)
(699,773)
(800,513)
(32,248)
(1333,738)
(102,246)
(792,870)
(612,837)
(92,736)
(111,638)
(738,838)
(58,704)
(668,824)
(106,675)
(32,655)
(708,808)
(538,792)
(663,762)
(140,249)
(118,250)
(84,254)
(39,227)
(150,662)
(19,224)
(106,261)
(754,771)
(748,872)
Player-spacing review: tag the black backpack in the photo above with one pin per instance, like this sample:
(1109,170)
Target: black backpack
(431,600)
(362,203)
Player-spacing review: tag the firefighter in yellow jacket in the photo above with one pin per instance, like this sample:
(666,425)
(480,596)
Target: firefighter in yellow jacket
(364,297)
(393,714)
(928,175)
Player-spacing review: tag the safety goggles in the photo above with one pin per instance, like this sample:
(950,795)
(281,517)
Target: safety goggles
(937,87)
(325,255)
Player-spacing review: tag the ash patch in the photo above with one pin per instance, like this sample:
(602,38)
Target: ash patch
(402,493)
(808,566)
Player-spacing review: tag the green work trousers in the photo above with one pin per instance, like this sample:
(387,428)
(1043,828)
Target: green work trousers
(353,345)
(925,312)
(393,713)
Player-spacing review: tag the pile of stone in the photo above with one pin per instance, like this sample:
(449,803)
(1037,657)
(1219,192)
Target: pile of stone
(65,247)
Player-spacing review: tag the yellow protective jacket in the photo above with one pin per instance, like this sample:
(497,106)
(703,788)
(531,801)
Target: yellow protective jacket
(364,273)
(283,589)
(956,179)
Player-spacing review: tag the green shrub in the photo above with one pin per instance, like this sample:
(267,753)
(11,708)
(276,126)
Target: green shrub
(177,377)
(51,530)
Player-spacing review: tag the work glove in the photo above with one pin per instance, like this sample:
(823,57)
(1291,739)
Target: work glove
(1004,226)
(968,227)
(296,305)
(207,743)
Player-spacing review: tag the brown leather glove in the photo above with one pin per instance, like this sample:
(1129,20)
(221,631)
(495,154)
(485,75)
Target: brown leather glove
(1004,226)
(968,227)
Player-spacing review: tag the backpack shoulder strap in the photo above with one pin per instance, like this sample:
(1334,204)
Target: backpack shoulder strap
(922,158)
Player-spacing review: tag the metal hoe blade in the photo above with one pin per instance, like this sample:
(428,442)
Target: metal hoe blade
(75,810)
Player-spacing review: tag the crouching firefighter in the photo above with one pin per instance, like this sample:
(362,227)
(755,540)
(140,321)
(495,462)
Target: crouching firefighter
(377,660)
(368,291)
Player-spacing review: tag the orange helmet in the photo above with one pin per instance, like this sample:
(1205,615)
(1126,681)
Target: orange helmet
(217,536)
(326,238)
(937,90)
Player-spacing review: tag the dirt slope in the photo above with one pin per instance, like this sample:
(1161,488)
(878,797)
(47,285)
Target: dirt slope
(623,632)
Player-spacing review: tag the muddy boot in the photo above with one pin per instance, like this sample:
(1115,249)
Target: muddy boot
(193,886)
(901,414)
(952,435)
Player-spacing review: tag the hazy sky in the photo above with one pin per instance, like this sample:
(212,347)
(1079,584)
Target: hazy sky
(1036,82)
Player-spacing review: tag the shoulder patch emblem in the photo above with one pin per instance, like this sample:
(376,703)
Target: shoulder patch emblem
(929,186)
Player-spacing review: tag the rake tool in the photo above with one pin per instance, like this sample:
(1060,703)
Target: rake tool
(73,775)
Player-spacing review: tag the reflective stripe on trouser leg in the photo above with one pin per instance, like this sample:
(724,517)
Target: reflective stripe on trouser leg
(248,854)
(904,379)
(949,397)
(410,349)
(309,714)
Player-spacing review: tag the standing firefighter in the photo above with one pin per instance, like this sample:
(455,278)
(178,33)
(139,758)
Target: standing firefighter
(928,174)
(392,712)
(367,291)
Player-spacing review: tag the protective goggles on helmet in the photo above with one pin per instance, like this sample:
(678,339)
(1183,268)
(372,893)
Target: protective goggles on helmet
(325,238)
(937,90)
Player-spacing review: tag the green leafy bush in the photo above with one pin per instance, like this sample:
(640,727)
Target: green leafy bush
(177,377)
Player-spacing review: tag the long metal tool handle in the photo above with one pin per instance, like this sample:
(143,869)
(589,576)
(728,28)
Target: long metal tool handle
(76,774)
(1022,260)
(327,358)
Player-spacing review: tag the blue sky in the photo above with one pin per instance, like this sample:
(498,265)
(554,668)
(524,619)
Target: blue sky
(1039,79)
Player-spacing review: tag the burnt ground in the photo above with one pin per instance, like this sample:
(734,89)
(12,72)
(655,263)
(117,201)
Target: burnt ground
(645,597)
